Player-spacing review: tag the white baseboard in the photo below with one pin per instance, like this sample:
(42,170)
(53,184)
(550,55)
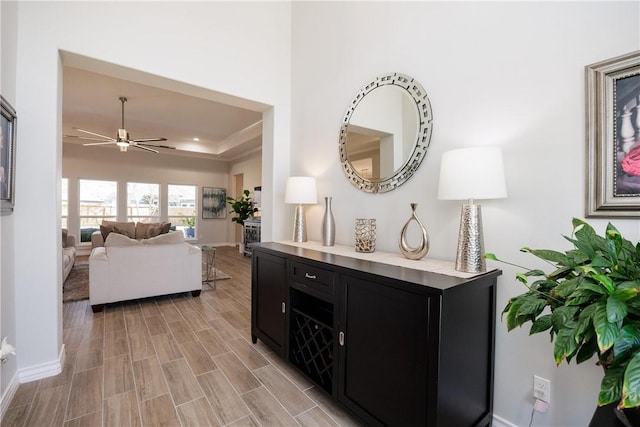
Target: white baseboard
(501,422)
(8,394)
(43,370)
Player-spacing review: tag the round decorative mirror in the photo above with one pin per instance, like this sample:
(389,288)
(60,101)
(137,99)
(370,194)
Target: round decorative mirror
(385,133)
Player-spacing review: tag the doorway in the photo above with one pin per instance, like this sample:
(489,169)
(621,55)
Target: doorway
(239,185)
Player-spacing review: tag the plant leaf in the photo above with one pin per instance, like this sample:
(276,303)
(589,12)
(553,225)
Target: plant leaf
(595,287)
(567,287)
(541,324)
(626,293)
(564,345)
(585,320)
(628,339)
(600,261)
(562,315)
(531,305)
(512,313)
(616,309)
(549,255)
(587,350)
(606,281)
(607,332)
(611,386)
(631,383)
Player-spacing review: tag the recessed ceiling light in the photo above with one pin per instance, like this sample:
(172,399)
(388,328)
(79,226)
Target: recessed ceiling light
(196,139)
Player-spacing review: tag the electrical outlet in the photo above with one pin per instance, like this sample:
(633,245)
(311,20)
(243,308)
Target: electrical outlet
(542,389)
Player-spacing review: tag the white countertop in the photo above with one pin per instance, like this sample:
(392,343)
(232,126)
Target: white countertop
(425,264)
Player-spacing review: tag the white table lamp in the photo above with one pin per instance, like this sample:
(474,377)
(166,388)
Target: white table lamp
(300,190)
(468,174)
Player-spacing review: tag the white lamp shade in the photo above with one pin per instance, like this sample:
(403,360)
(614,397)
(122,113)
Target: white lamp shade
(301,190)
(472,173)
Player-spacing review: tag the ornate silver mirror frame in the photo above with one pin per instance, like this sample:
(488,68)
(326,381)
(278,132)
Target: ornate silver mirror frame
(402,174)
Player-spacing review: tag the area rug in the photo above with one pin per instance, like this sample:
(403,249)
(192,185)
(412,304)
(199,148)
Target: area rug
(76,287)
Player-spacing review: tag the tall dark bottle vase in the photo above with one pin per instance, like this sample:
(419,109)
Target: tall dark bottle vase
(421,250)
(328,224)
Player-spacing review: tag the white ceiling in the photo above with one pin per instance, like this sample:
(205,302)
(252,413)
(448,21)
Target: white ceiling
(91,102)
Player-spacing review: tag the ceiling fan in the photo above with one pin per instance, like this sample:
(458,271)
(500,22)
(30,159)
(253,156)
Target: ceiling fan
(122,140)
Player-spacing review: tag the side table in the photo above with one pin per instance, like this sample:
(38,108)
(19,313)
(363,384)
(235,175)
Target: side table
(209,261)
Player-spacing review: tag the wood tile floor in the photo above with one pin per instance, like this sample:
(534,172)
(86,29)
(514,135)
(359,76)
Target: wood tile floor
(172,361)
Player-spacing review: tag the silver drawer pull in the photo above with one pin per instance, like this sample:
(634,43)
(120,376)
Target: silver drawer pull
(309,276)
(341,338)
(284,308)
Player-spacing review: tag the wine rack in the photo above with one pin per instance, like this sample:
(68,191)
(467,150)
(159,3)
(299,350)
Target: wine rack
(311,338)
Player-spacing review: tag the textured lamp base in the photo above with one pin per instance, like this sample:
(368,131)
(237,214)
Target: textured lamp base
(470,243)
(299,225)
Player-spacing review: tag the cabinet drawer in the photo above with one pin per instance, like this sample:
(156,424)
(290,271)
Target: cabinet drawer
(312,276)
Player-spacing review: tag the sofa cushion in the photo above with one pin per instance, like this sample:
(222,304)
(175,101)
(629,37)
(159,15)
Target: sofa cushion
(126,228)
(148,230)
(165,239)
(117,239)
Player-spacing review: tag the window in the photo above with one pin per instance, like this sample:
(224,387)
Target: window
(182,208)
(143,202)
(98,202)
(65,203)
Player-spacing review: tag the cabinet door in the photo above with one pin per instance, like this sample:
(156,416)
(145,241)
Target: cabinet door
(383,352)
(268,300)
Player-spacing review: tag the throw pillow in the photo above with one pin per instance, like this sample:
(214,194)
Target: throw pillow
(166,226)
(148,230)
(117,239)
(165,239)
(128,227)
(64,237)
(142,229)
(120,230)
(153,231)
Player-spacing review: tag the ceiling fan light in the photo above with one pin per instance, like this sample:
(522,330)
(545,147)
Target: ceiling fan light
(123,148)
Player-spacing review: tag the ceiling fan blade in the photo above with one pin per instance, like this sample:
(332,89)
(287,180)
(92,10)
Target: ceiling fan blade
(156,146)
(92,133)
(149,139)
(87,138)
(143,148)
(99,143)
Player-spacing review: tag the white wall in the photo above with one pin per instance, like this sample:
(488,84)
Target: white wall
(239,49)
(80,162)
(8,56)
(497,73)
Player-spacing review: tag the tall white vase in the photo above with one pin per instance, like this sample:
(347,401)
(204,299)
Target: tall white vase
(328,224)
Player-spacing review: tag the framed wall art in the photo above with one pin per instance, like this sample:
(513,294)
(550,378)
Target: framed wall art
(613,137)
(7,156)
(214,203)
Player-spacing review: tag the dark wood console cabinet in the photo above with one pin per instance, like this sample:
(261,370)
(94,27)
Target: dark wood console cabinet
(395,346)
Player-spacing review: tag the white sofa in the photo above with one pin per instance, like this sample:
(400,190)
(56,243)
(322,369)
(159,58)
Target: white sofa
(68,253)
(126,269)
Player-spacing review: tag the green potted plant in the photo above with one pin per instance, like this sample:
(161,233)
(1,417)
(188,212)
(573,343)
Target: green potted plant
(244,209)
(590,305)
(190,222)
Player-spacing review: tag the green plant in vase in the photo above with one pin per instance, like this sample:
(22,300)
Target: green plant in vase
(242,207)
(190,222)
(589,302)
